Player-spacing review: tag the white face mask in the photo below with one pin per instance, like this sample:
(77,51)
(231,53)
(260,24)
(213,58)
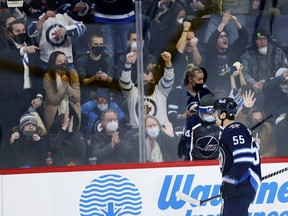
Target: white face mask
(112,126)
(263,50)
(153,132)
(134,46)
(208,118)
(180,20)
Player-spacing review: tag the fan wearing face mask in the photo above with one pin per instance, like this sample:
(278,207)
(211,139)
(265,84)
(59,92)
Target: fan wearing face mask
(155,94)
(200,139)
(262,60)
(91,111)
(107,144)
(62,90)
(20,76)
(96,69)
(29,148)
(161,144)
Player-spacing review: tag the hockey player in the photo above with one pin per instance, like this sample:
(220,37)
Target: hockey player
(239,160)
(200,139)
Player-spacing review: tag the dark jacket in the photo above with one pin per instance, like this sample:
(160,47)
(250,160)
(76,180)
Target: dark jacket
(219,72)
(275,59)
(29,153)
(102,149)
(86,68)
(66,147)
(16,100)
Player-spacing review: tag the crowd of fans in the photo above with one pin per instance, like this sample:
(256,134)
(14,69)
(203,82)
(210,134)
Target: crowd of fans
(69,80)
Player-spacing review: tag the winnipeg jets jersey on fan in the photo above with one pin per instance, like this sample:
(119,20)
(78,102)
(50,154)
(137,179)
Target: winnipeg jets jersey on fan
(49,43)
(239,155)
(201,139)
(157,102)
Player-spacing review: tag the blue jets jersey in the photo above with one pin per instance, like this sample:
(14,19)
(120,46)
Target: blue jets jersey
(239,155)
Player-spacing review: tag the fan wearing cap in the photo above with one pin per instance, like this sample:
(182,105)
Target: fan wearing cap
(92,109)
(200,138)
(239,160)
(29,149)
(261,60)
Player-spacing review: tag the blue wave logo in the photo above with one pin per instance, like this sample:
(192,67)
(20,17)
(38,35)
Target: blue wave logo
(110,195)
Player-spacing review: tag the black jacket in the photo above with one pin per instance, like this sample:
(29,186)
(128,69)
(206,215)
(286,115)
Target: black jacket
(29,153)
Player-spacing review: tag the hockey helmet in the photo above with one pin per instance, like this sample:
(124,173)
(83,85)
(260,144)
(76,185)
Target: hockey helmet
(227,105)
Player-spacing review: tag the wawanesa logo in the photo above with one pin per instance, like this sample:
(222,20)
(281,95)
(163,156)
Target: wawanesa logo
(110,195)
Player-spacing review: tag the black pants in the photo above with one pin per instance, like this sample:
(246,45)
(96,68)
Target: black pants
(239,204)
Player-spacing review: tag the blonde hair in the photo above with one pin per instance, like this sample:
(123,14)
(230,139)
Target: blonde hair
(153,117)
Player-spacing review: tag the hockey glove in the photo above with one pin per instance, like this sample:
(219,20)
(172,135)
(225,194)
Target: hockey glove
(228,187)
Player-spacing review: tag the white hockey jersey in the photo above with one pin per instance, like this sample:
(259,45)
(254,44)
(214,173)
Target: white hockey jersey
(157,102)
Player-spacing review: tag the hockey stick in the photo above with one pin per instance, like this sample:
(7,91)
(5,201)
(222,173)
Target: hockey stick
(261,122)
(196,202)
(191,200)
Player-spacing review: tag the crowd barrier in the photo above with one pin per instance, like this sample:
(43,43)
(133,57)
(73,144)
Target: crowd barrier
(132,189)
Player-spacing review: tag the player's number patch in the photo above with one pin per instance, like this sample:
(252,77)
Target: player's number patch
(238,140)
(256,158)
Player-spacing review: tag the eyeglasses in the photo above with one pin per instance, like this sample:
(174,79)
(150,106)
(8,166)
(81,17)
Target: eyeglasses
(111,119)
(223,36)
(262,39)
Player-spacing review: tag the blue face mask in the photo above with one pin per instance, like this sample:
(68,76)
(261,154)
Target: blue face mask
(206,113)
(153,132)
(208,118)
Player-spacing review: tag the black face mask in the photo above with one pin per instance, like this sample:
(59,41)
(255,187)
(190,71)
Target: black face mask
(28,134)
(149,88)
(20,38)
(97,50)
(63,67)
(198,87)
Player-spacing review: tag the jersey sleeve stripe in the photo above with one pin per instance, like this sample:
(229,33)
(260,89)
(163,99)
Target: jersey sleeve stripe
(243,160)
(242,151)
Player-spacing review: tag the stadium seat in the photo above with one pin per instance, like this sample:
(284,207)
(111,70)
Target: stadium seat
(200,24)
(252,23)
(280,30)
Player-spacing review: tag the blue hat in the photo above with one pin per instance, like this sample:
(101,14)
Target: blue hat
(104,93)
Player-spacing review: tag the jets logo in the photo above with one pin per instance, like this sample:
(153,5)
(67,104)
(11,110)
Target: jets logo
(207,146)
(149,107)
(50,36)
(234,126)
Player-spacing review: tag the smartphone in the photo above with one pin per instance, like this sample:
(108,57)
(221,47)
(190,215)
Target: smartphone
(14,3)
